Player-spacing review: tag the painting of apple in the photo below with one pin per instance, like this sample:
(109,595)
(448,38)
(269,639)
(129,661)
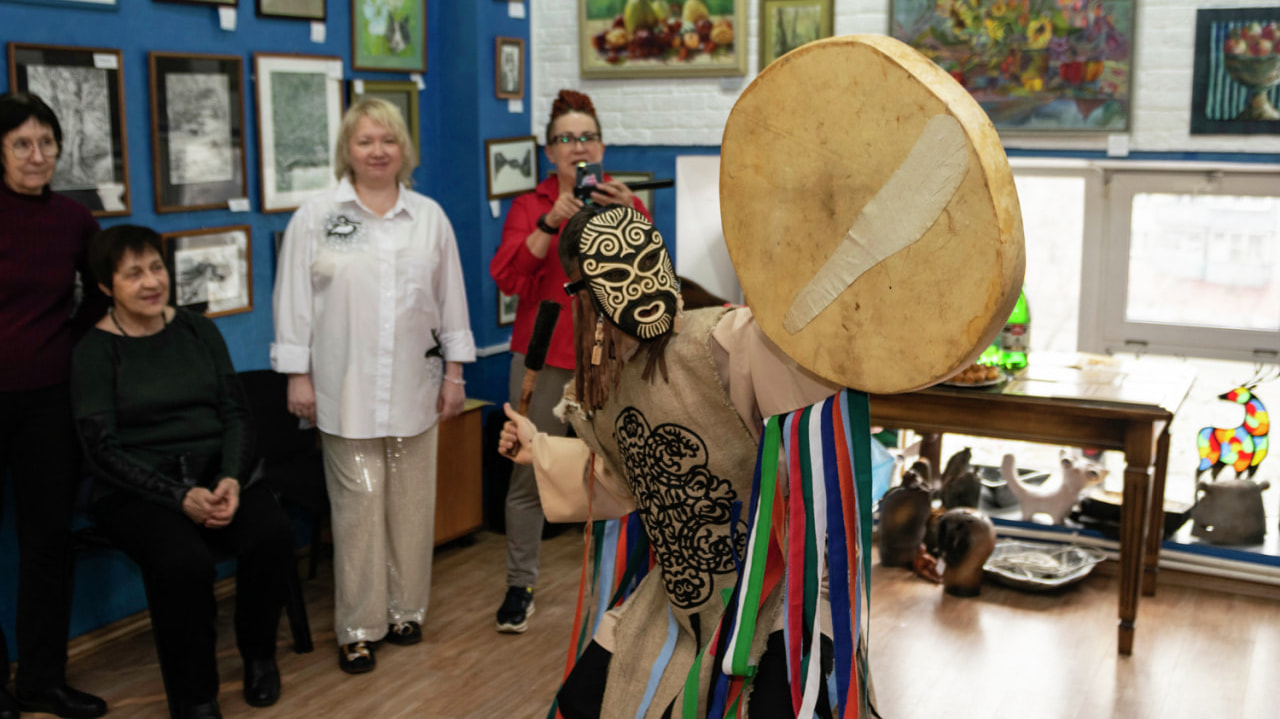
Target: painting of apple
(1236,79)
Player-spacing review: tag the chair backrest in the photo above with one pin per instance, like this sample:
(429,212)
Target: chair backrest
(278,434)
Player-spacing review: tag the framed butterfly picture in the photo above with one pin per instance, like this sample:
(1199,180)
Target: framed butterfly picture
(512,166)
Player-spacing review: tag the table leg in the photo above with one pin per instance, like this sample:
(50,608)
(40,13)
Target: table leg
(1155,520)
(1133,525)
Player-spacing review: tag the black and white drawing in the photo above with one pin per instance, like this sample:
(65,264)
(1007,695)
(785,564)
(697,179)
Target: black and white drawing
(210,270)
(507,308)
(508,62)
(512,166)
(299,111)
(199,114)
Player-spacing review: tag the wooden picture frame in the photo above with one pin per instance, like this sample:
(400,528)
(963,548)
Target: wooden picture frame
(646,196)
(401,93)
(717,48)
(108,5)
(300,108)
(85,88)
(507,305)
(197,130)
(508,68)
(222,3)
(1054,67)
(292,9)
(787,24)
(511,166)
(383,39)
(1234,89)
(210,270)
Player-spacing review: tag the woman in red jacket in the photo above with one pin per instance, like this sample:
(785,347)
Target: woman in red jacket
(528,265)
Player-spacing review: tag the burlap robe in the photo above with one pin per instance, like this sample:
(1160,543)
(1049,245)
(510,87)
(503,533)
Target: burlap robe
(687,457)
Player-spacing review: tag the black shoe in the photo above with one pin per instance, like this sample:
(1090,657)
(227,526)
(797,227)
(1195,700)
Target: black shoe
(8,707)
(404,633)
(356,657)
(517,607)
(208,710)
(261,682)
(62,700)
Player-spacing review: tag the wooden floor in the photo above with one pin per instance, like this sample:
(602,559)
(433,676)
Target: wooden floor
(1004,654)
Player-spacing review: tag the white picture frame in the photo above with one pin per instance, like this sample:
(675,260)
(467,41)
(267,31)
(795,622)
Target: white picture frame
(299,111)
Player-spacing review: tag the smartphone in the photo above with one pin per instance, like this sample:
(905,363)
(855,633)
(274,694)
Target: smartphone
(590,174)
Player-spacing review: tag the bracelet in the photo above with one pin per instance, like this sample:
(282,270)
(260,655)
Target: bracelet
(544,227)
(455,380)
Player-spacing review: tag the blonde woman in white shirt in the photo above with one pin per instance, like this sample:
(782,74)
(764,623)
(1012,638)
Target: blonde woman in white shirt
(371,326)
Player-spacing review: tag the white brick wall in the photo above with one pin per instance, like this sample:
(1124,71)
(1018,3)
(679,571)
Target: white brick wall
(693,111)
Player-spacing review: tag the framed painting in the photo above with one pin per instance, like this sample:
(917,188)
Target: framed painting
(787,24)
(508,68)
(1033,65)
(507,309)
(210,270)
(512,166)
(197,126)
(634,38)
(646,196)
(299,111)
(295,9)
(85,88)
(401,93)
(1236,86)
(389,35)
(85,4)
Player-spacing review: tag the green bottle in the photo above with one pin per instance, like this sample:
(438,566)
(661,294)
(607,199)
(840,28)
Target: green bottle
(1015,340)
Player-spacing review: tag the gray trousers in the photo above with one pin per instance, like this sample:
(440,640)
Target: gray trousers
(524,510)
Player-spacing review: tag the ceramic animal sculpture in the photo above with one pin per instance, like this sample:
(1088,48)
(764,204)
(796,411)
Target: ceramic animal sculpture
(965,538)
(1230,512)
(1242,448)
(960,484)
(1057,495)
(904,512)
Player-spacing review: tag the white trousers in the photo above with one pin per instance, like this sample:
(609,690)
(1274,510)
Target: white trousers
(382,494)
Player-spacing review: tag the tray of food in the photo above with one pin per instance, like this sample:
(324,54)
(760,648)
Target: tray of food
(978,375)
(1039,567)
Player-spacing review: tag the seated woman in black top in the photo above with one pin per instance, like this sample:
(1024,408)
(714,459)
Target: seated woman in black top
(165,425)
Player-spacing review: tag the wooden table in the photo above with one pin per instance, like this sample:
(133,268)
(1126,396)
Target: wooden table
(1075,401)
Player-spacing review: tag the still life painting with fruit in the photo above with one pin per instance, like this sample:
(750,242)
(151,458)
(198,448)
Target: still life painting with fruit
(1055,65)
(661,38)
(1236,86)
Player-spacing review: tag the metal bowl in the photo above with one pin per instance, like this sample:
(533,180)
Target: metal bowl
(1040,567)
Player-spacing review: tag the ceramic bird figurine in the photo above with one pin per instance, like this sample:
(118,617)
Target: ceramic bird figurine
(1242,448)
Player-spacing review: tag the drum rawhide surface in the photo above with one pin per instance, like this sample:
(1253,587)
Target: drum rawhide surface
(870,214)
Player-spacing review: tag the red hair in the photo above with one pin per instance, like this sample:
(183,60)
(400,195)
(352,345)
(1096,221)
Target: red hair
(571,101)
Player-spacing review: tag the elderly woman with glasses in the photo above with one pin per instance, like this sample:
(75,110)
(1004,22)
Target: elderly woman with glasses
(527,266)
(42,251)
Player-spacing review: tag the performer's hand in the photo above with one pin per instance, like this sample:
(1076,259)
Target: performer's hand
(301,397)
(516,441)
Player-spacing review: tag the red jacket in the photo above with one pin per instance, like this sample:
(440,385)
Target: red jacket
(518,272)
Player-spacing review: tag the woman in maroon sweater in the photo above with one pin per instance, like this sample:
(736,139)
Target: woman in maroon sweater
(527,266)
(42,250)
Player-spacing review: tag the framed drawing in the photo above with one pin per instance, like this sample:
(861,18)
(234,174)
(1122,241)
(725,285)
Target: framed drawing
(210,270)
(296,9)
(86,4)
(389,35)
(512,166)
(85,88)
(787,24)
(1236,85)
(508,68)
(507,309)
(401,93)
(1036,65)
(299,110)
(646,196)
(197,126)
(632,38)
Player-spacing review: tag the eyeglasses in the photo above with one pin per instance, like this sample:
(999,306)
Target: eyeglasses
(585,138)
(23,147)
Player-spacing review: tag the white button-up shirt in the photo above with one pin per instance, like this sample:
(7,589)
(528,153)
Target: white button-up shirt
(372,307)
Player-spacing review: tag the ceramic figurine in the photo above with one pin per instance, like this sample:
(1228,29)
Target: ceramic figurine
(965,538)
(904,512)
(1230,512)
(1243,447)
(1057,495)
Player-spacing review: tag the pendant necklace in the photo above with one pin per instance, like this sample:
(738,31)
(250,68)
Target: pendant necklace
(116,322)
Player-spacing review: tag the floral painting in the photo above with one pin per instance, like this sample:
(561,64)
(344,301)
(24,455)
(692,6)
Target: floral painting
(662,38)
(389,35)
(1052,65)
(1236,88)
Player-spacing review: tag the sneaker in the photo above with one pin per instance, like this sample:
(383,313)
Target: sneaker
(513,615)
(356,657)
(404,633)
